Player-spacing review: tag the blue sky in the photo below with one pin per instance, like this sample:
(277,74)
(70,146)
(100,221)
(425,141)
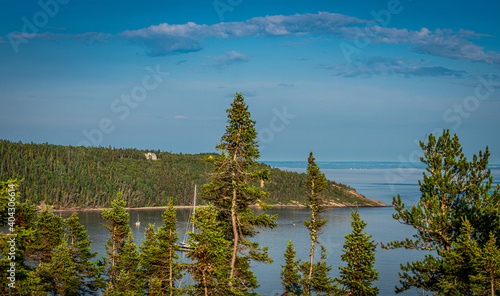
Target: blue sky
(349,80)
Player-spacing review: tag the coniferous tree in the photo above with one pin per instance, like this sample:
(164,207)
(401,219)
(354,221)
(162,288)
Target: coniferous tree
(231,191)
(47,236)
(159,257)
(122,260)
(486,280)
(89,273)
(210,253)
(62,271)
(130,279)
(290,277)
(453,190)
(321,282)
(359,253)
(22,233)
(118,226)
(469,267)
(315,184)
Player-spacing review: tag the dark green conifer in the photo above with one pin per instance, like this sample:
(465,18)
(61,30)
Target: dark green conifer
(358,275)
(321,282)
(89,272)
(122,260)
(290,277)
(118,225)
(210,253)
(453,190)
(232,192)
(20,230)
(63,271)
(470,267)
(315,184)
(130,279)
(47,236)
(159,257)
(486,279)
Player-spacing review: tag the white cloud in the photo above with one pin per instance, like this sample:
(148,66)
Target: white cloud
(165,39)
(168,39)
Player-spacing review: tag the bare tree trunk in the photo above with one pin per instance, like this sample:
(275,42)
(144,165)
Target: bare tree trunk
(492,286)
(205,283)
(311,260)
(170,268)
(235,234)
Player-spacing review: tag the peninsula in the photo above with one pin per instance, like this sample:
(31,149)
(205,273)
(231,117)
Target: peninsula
(67,177)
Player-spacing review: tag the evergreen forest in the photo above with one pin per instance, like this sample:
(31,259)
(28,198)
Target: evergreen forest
(88,177)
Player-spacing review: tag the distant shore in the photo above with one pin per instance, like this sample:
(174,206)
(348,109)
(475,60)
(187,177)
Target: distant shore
(295,205)
(100,209)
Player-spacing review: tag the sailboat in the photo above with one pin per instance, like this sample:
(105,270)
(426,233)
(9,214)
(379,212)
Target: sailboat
(184,243)
(138,222)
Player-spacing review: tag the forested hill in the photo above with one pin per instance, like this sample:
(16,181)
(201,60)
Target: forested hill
(88,177)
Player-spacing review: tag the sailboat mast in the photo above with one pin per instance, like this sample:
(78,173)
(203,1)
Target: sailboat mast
(194,205)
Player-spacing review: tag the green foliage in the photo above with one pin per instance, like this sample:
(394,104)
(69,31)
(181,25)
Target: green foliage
(159,257)
(486,261)
(88,272)
(470,269)
(315,275)
(122,260)
(62,271)
(130,280)
(359,253)
(231,191)
(52,255)
(321,282)
(23,236)
(210,253)
(290,277)
(315,184)
(89,177)
(453,190)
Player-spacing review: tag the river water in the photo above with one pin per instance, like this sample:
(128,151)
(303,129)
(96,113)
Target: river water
(380,181)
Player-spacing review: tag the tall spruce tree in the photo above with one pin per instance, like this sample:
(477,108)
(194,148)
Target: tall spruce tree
(130,279)
(48,235)
(290,277)
(122,260)
(159,257)
(315,184)
(359,253)
(62,271)
(15,245)
(210,252)
(232,192)
(469,267)
(453,190)
(89,272)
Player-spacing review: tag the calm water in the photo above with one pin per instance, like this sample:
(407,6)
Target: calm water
(375,180)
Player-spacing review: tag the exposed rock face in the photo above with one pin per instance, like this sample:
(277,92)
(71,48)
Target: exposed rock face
(151,156)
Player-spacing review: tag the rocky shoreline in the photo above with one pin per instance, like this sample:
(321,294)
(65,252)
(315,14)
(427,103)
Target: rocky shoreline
(375,203)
